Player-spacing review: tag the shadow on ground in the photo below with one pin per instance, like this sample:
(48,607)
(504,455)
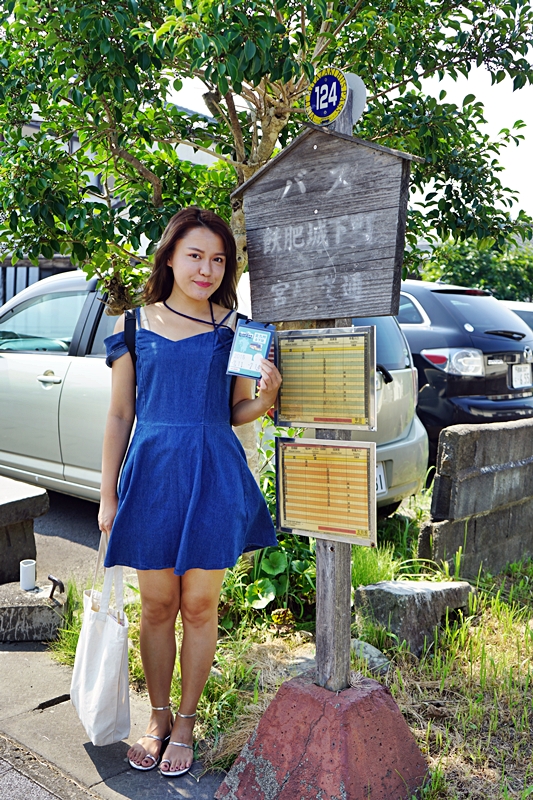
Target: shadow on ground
(67,539)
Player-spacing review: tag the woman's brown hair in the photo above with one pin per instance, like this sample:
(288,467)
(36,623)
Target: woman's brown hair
(159,284)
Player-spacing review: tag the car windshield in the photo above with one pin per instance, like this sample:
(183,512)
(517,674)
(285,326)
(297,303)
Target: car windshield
(391,349)
(42,323)
(527,316)
(482,312)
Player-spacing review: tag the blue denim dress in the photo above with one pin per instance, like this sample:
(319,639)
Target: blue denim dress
(186,496)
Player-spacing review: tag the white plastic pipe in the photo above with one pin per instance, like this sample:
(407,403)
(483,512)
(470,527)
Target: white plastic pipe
(27,574)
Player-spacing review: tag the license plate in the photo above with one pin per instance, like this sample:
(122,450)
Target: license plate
(521,375)
(381,481)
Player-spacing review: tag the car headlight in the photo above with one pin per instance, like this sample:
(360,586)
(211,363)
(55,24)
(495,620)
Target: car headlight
(456,360)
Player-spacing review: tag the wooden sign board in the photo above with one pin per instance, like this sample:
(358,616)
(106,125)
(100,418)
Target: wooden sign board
(325,227)
(328,378)
(327,489)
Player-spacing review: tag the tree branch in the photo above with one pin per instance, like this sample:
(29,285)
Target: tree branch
(324,28)
(130,254)
(319,49)
(125,155)
(237,135)
(177,140)
(459,59)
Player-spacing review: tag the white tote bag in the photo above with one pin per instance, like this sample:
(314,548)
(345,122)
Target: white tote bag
(99,690)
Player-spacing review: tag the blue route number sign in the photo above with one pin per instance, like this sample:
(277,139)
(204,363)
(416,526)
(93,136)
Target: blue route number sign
(326,96)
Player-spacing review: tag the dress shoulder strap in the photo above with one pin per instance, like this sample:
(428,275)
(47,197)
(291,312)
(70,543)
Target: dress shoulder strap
(130,327)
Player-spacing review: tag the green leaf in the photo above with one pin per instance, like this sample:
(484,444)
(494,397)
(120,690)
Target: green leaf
(144,60)
(260,593)
(275,563)
(223,85)
(165,28)
(469,99)
(13,221)
(249,49)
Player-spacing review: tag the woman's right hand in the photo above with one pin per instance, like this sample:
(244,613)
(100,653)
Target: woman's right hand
(107,513)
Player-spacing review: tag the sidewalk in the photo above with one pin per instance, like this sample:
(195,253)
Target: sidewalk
(44,750)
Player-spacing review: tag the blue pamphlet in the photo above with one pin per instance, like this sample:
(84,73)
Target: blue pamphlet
(251,343)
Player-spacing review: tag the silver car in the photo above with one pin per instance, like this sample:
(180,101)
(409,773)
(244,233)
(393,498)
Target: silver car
(401,439)
(55,390)
(54,385)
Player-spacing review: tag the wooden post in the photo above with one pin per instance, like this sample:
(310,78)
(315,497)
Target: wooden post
(334,559)
(333,587)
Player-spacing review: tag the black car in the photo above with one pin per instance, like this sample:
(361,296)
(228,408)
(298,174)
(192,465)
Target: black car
(473,355)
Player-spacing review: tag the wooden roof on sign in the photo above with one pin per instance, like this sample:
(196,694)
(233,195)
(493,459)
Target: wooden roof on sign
(325,228)
(308,128)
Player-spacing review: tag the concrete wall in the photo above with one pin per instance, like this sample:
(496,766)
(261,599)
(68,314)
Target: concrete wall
(483,497)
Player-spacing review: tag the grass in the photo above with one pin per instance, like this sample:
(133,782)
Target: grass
(468,700)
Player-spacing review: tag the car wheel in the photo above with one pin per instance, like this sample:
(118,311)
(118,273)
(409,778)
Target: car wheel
(388,510)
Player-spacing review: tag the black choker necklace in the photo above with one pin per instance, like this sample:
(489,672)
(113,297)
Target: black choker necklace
(195,319)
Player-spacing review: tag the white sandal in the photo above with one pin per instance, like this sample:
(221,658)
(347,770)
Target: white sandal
(175,773)
(164,741)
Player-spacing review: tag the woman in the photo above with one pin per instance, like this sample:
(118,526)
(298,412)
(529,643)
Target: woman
(187,506)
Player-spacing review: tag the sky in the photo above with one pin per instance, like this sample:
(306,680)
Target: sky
(502,108)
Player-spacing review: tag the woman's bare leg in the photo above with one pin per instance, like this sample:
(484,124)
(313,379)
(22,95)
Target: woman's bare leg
(160,597)
(200,591)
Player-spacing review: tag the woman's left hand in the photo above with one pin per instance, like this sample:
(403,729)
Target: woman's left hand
(269,384)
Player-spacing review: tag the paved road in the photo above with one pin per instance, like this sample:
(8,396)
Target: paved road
(67,539)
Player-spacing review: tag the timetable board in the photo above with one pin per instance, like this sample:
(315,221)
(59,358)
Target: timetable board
(328,378)
(327,489)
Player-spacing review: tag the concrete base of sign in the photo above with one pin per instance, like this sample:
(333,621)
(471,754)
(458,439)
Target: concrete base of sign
(312,743)
(29,616)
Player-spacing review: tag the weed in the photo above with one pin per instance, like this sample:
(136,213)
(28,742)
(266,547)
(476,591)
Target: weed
(64,647)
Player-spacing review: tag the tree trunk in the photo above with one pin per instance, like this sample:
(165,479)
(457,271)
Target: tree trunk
(238,226)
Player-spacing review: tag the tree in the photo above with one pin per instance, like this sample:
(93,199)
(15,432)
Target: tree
(103,72)
(507,274)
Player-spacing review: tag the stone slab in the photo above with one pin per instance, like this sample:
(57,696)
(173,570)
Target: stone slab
(412,609)
(152,786)
(312,743)
(56,735)
(489,541)
(33,678)
(376,662)
(21,501)
(481,468)
(30,616)
(465,447)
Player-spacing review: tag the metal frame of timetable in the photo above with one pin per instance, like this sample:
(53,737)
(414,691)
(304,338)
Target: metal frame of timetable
(342,388)
(327,489)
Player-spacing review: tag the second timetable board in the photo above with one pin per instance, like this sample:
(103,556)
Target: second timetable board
(328,378)
(327,489)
